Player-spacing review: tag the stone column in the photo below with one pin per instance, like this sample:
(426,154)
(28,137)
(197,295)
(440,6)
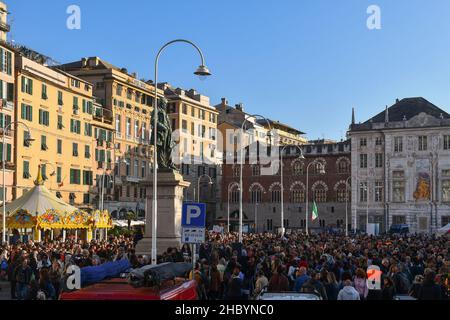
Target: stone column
(170,203)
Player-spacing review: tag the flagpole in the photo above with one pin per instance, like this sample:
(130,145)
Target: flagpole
(321,168)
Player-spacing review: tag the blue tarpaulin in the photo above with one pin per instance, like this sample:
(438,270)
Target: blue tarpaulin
(90,275)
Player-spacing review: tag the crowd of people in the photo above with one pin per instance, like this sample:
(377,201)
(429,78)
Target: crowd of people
(330,266)
(35,270)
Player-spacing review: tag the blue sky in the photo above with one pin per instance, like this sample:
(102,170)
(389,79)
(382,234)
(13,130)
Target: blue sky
(302,62)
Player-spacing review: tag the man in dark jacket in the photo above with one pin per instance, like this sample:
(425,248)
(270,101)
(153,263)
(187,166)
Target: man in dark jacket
(429,289)
(235,285)
(23,279)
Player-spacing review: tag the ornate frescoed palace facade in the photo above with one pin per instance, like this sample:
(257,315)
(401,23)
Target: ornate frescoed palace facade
(401,167)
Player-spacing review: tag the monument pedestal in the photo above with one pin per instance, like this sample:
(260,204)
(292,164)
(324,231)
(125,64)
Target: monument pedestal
(170,204)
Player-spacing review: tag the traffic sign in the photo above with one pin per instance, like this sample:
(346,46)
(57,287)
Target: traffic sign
(194,215)
(193,235)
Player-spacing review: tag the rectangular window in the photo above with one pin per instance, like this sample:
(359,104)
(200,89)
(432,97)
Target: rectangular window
(27,85)
(60,122)
(363,191)
(143,169)
(398,144)
(378,160)
(75,126)
(75,176)
(447,142)
(26,170)
(44,118)
(44,146)
(59,146)
(27,112)
(363,142)
(118,123)
(8,152)
(58,175)
(423,143)
(363,161)
(88,178)
(60,98)
(44,95)
(87,152)
(88,129)
(75,149)
(378,191)
(26,139)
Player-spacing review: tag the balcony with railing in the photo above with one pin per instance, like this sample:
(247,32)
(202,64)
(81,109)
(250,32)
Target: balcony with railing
(7,105)
(103,114)
(4,26)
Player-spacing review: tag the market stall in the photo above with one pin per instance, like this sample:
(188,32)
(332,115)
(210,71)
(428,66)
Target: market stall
(40,210)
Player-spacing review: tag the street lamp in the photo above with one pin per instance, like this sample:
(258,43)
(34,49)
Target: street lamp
(321,168)
(301,157)
(27,141)
(347,182)
(198,184)
(201,71)
(228,205)
(269,134)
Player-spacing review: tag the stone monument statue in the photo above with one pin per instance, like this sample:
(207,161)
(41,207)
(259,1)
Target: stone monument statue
(164,143)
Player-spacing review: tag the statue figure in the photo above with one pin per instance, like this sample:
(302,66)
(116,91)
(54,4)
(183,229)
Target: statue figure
(164,143)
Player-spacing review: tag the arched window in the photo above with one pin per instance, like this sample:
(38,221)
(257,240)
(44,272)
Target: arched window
(317,167)
(298,195)
(343,165)
(342,194)
(235,194)
(320,192)
(297,168)
(256,191)
(276,195)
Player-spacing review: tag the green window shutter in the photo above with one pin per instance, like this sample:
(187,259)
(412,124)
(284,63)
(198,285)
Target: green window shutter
(31,85)
(1,88)
(71,176)
(84,105)
(8,152)
(2,123)
(23,84)
(40,116)
(9,62)
(1,60)
(10,93)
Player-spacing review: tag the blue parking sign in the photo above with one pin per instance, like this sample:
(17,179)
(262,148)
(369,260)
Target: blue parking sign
(194,215)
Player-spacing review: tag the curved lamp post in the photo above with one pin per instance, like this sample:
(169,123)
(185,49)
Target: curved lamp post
(27,140)
(347,183)
(301,157)
(269,134)
(198,184)
(230,186)
(201,71)
(321,171)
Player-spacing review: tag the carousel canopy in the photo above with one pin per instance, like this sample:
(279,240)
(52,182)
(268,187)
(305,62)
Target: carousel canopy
(38,200)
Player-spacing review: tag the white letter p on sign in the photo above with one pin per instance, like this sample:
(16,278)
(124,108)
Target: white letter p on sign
(192,213)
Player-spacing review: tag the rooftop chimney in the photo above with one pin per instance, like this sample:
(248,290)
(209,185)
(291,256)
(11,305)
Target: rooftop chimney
(397,100)
(240,106)
(224,101)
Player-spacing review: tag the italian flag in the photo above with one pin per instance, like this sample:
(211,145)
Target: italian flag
(315,212)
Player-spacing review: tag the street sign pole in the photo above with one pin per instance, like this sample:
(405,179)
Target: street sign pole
(193,225)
